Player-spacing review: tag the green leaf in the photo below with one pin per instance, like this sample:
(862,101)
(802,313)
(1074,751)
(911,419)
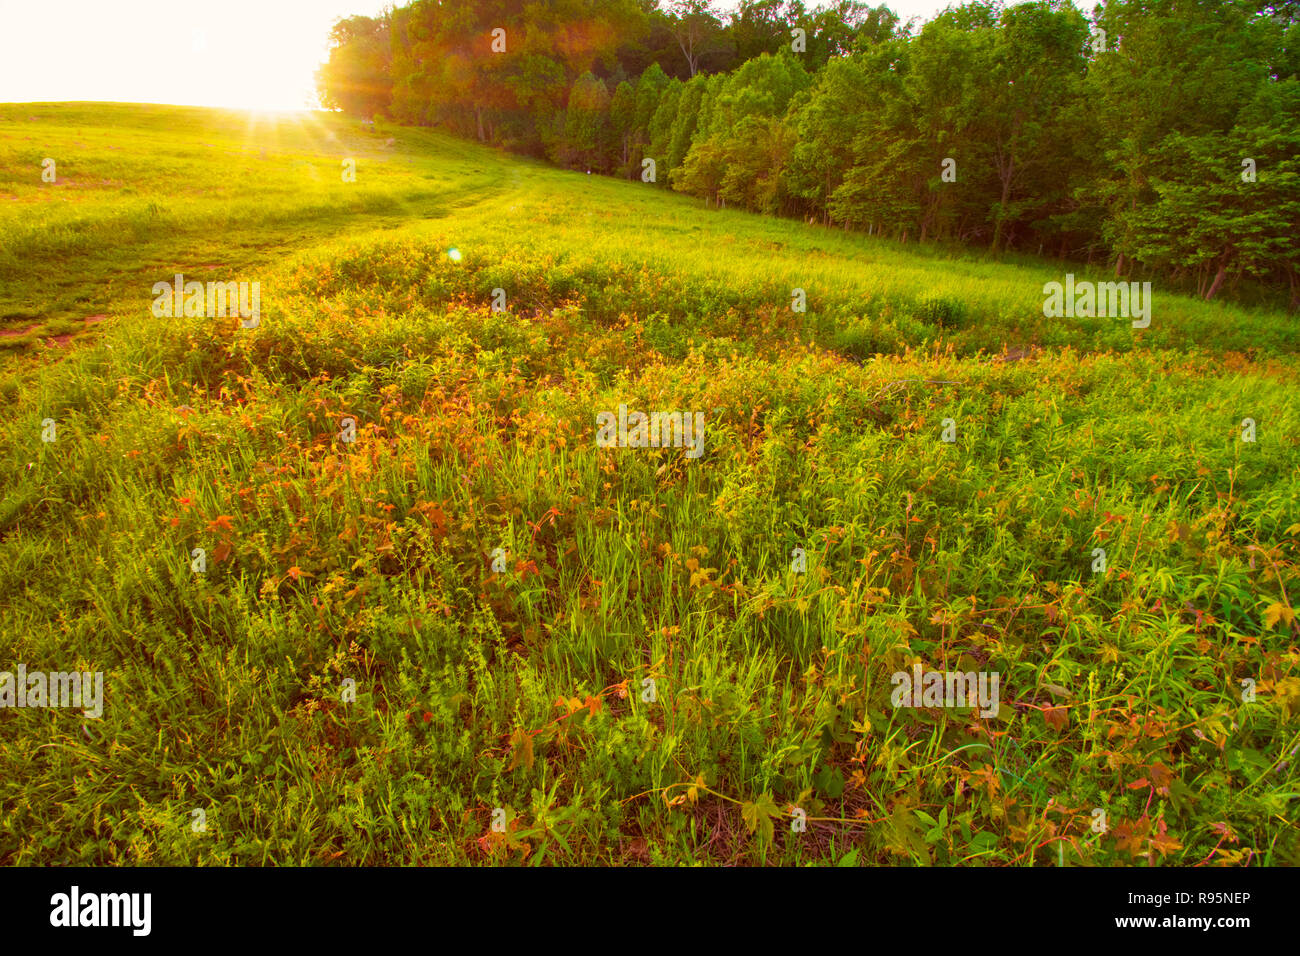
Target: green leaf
(829,781)
(758,816)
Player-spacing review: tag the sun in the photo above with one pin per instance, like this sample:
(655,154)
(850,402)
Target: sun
(233,54)
(273,88)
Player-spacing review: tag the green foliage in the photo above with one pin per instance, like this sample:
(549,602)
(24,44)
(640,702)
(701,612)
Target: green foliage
(587,131)
(357,78)
(947,312)
(1011,127)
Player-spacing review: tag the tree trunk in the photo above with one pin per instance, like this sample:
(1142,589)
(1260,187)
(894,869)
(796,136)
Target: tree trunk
(1218,281)
(1002,208)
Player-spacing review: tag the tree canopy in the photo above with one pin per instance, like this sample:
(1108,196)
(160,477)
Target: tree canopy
(1159,136)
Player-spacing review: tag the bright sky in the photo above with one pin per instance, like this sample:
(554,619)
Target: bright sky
(259,54)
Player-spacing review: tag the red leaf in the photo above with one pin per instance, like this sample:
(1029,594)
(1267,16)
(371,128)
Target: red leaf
(1057,717)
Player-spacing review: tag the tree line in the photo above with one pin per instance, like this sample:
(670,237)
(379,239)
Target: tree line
(1161,137)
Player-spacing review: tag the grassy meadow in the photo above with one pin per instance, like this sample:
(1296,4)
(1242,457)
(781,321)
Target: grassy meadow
(471,635)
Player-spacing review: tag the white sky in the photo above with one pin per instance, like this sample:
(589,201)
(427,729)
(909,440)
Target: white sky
(259,54)
(239,53)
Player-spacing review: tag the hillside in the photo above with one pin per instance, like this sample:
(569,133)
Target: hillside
(428,593)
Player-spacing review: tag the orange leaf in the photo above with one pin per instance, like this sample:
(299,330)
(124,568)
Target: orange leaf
(1277,611)
(1162,842)
(1128,837)
(1057,717)
(521,747)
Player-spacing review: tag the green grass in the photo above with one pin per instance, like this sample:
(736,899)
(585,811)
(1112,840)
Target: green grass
(371,561)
